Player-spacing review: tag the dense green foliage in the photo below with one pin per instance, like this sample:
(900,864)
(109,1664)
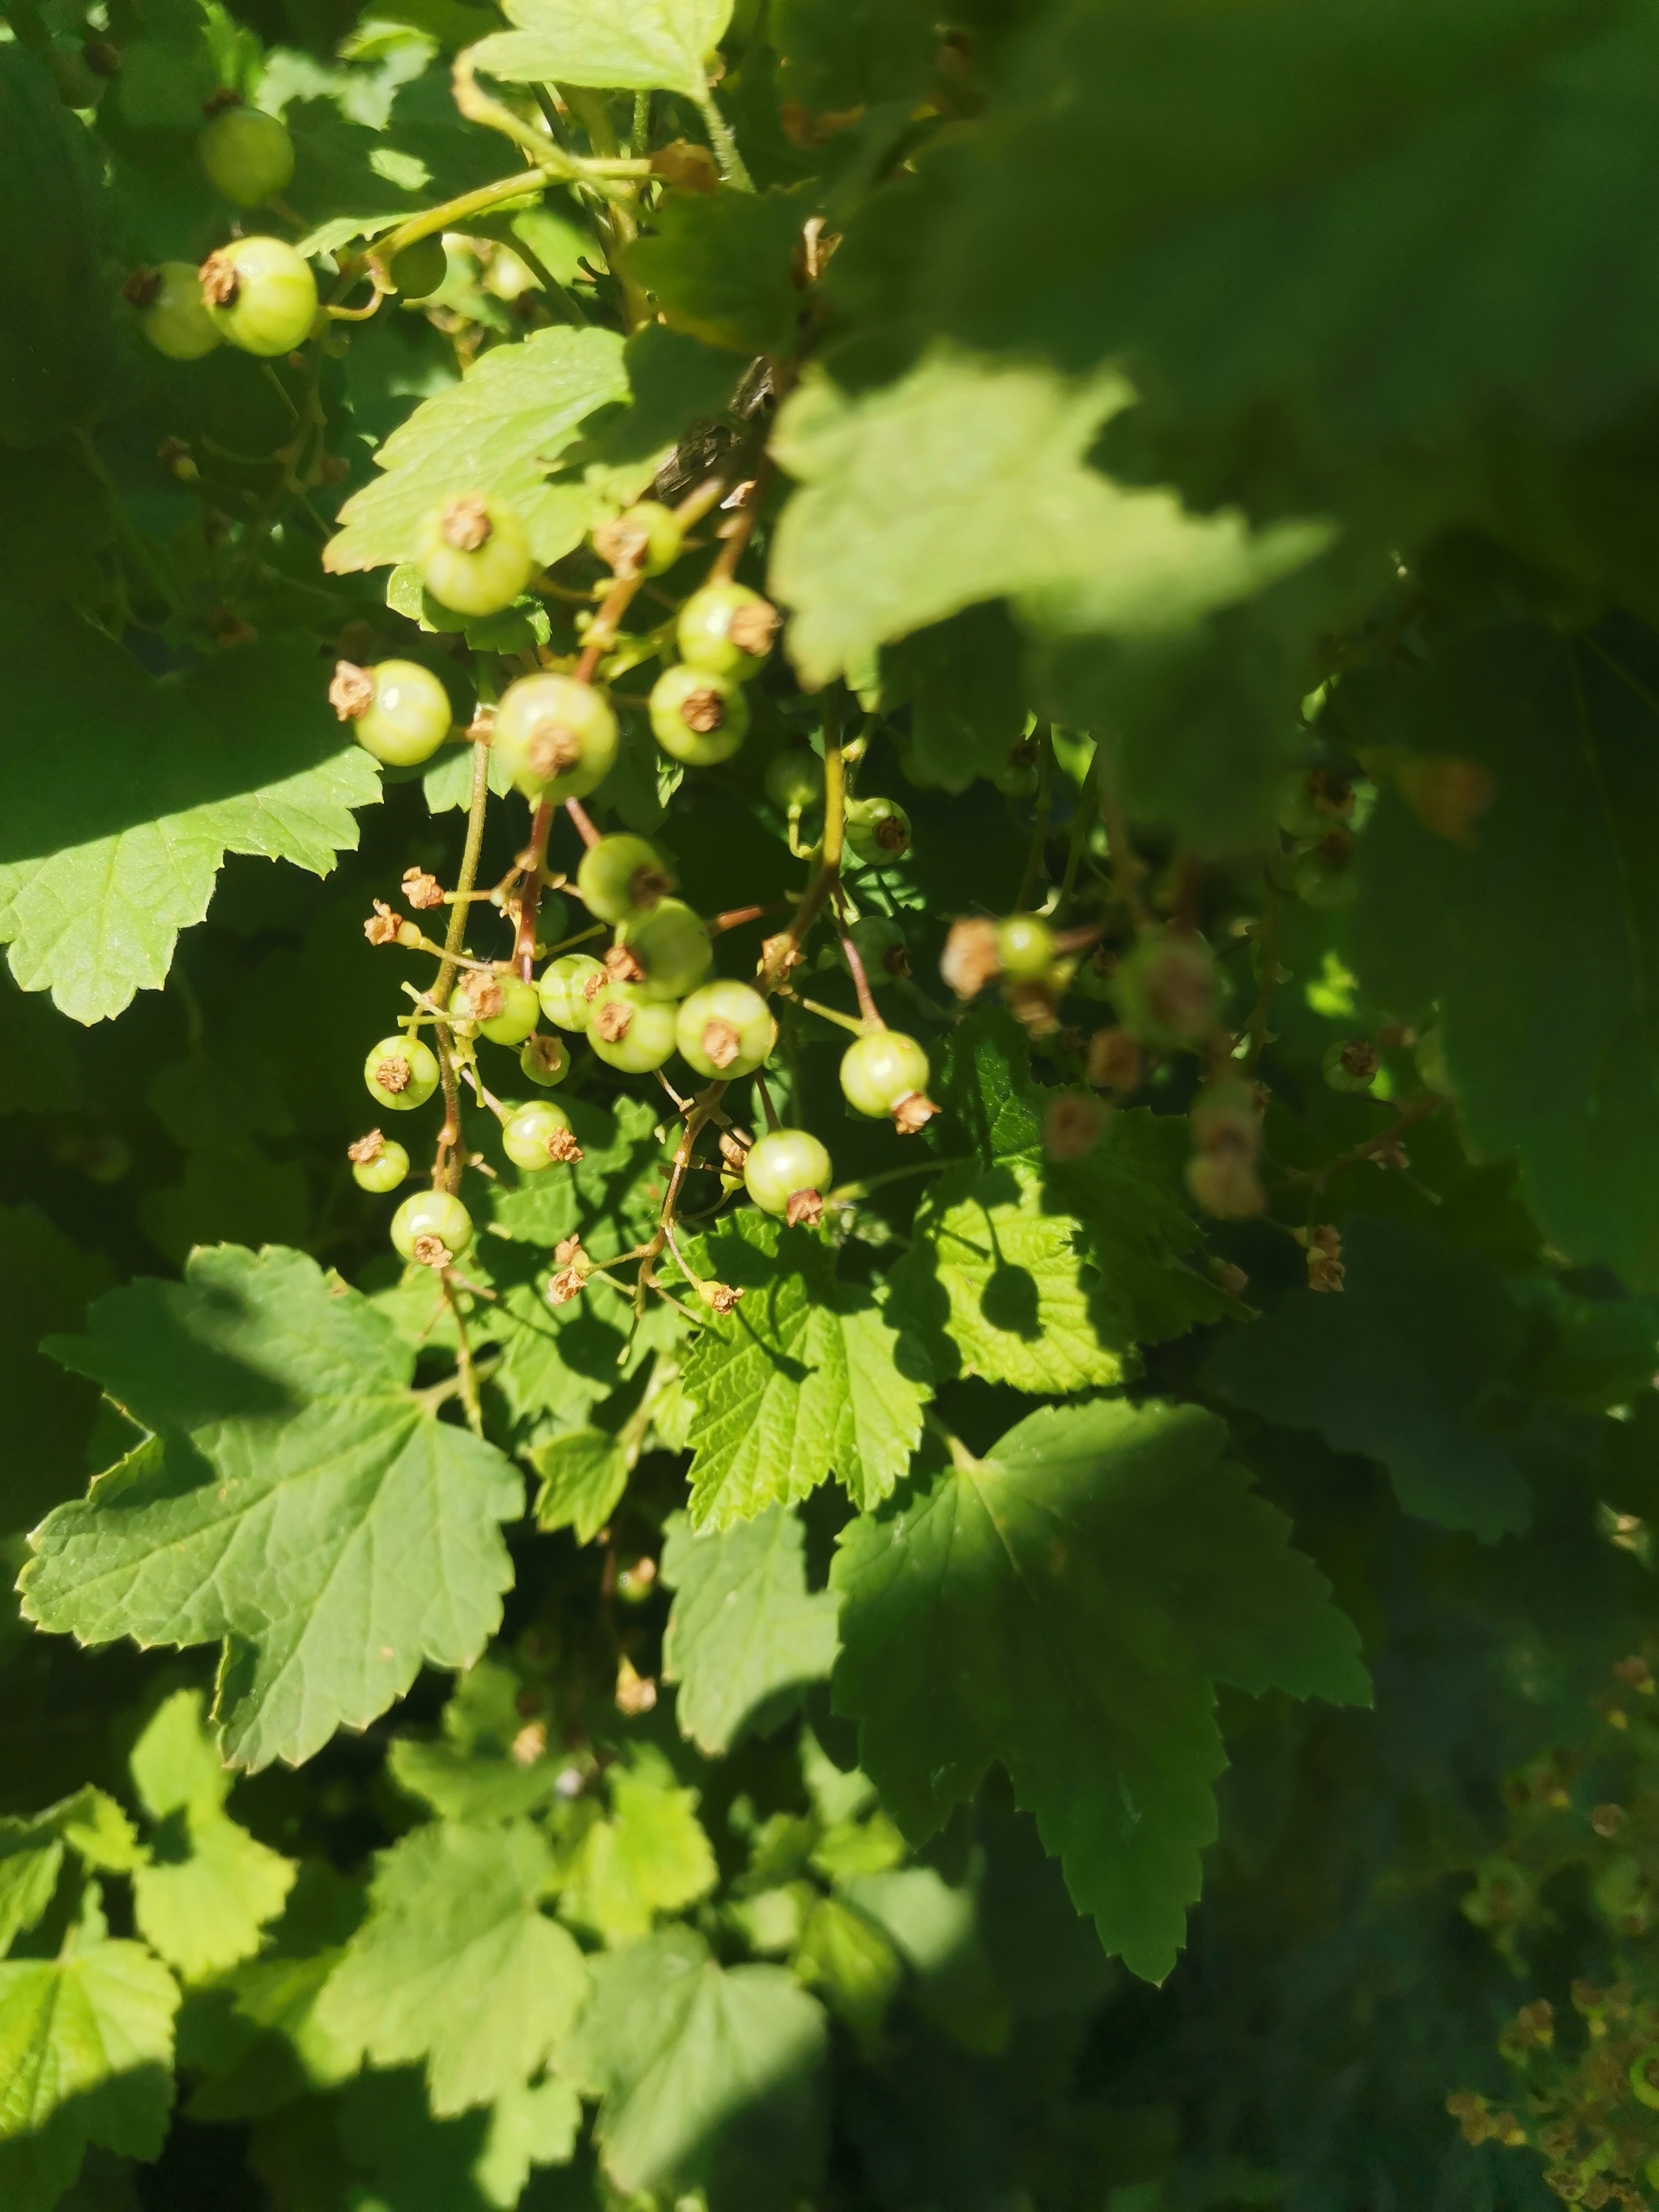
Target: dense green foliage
(828,1237)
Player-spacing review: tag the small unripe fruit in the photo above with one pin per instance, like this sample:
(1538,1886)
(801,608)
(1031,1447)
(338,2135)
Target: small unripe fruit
(379,1163)
(401,1072)
(880,1070)
(545,1061)
(555,737)
(398,710)
(630,1030)
(568,987)
(246,156)
(726,629)
(1352,1066)
(420,268)
(473,554)
(174,316)
(877,830)
(539,1136)
(261,296)
(1225,1186)
(724,1029)
(880,946)
(1324,877)
(621,877)
(673,948)
(500,1007)
(794,780)
(698,717)
(643,540)
(1025,945)
(432,1227)
(1165,990)
(788,1164)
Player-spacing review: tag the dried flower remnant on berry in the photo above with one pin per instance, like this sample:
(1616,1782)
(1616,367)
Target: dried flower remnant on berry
(384,925)
(720,1042)
(351,691)
(421,889)
(971,958)
(466,522)
(702,710)
(483,996)
(142,288)
(1324,1269)
(391,1073)
(431,1252)
(913,1114)
(719,1297)
(552,749)
(635,1693)
(1360,1059)
(622,966)
(612,1022)
(562,1148)
(734,1151)
(564,1285)
(366,1149)
(804,1209)
(1115,1062)
(220,282)
(752,627)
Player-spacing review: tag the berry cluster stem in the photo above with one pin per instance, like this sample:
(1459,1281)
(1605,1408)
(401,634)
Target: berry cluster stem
(781,952)
(447,1167)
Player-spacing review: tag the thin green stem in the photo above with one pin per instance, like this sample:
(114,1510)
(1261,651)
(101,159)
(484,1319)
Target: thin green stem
(725,145)
(849,1193)
(961,1458)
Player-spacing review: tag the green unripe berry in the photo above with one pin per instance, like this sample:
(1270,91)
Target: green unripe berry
(794,780)
(877,830)
(246,156)
(569,985)
(539,1136)
(261,296)
(379,1163)
(1165,989)
(1026,945)
(673,948)
(1324,877)
(545,1061)
(788,1164)
(398,710)
(418,271)
(880,946)
(878,1071)
(433,1227)
(698,717)
(724,1029)
(643,540)
(620,876)
(630,1031)
(1017,779)
(174,315)
(726,629)
(401,1072)
(1352,1066)
(555,737)
(473,554)
(500,1007)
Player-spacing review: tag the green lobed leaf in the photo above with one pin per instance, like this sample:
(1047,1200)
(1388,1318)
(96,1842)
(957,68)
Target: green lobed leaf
(583,1475)
(490,1762)
(651,1856)
(55,348)
(719,267)
(1066,1606)
(806,1378)
(32,1854)
(45,1284)
(744,1635)
(634,45)
(299,1503)
(107,858)
(707,2074)
(966,481)
(457,1965)
(1396,1367)
(501,431)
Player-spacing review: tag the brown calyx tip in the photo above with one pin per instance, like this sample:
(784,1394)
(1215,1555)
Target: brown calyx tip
(719,1297)
(220,282)
(1115,1062)
(431,1252)
(562,1148)
(552,749)
(483,995)
(464,523)
(892,835)
(720,1042)
(753,628)
(101,57)
(647,885)
(622,966)
(913,1113)
(142,287)
(702,710)
(804,1209)
(391,1073)
(592,986)
(970,959)
(383,926)
(366,1149)
(421,889)
(351,691)
(734,1151)
(623,544)
(1360,1059)
(216,102)
(612,1022)
(564,1286)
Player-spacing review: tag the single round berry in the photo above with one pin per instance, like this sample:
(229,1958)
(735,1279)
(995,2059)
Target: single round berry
(1014,779)
(473,554)
(781,1164)
(420,268)
(545,1061)
(500,1007)
(726,629)
(877,830)
(698,717)
(568,987)
(643,540)
(672,947)
(878,1070)
(1165,989)
(621,877)
(261,295)
(1323,876)
(175,317)
(406,718)
(555,737)
(630,1031)
(1352,1065)
(726,1030)
(401,1072)
(880,946)
(539,1136)
(432,1227)
(379,1163)
(794,780)
(1025,944)
(248,156)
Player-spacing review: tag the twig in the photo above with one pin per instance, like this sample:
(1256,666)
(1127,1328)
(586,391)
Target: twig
(465,1370)
(451,1158)
(1417,1111)
(780,955)
(1034,860)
